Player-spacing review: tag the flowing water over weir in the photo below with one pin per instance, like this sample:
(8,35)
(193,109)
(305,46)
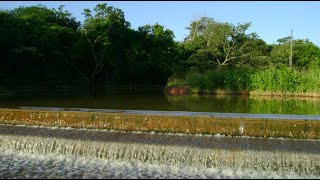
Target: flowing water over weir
(30,152)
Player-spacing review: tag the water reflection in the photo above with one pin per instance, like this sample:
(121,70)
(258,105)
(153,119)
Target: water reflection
(195,103)
(245,104)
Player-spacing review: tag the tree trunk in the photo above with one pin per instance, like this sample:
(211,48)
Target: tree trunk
(92,87)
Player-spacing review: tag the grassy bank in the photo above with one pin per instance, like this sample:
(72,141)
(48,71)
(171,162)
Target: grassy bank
(285,128)
(269,82)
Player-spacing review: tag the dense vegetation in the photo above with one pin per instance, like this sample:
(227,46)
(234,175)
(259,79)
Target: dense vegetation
(42,46)
(226,59)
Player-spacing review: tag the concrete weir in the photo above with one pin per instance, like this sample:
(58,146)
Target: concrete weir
(233,124)
(87,143)
(42,152)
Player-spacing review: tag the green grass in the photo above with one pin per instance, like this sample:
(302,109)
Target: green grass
(270,81)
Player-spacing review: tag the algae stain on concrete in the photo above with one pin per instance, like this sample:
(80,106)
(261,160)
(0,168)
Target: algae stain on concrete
(167,122)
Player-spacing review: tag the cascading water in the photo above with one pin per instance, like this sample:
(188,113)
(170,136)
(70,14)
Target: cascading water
(78,158)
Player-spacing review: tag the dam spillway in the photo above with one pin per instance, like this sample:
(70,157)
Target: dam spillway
(233,124)
(29,152)
(64,152)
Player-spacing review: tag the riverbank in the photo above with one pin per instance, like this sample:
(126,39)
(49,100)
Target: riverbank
(271,81)
(187,90)
(228,124)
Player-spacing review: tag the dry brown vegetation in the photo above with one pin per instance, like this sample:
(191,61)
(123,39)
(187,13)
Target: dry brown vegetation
(298,129)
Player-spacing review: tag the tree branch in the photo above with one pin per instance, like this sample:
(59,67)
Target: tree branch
(77,69)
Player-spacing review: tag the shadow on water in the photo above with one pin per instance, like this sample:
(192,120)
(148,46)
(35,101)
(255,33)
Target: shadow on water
(158,101)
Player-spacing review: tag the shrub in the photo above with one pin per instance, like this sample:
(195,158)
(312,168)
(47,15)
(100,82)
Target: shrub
(196,80)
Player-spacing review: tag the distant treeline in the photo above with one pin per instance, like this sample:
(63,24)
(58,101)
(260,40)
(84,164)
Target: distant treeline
(41,45)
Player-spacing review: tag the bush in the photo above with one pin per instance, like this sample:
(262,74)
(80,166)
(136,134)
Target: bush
(272,79)
(214,80)
(280,80)
(196,80)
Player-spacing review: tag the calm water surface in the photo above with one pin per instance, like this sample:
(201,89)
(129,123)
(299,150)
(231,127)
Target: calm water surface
(194,103)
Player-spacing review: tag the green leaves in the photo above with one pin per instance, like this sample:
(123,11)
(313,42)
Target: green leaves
(37,40)
(305,53)
(228,44)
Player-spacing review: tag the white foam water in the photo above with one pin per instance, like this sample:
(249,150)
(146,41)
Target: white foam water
(40,157)
(28,165)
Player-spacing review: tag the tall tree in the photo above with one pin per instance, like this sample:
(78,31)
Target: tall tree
(305,53)
(39,39)
(101,33)
(219,44)
(156,52)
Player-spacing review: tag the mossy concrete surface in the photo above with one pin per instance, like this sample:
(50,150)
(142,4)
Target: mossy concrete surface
(253,127)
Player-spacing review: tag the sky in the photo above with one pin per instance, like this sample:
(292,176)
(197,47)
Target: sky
(271,20)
